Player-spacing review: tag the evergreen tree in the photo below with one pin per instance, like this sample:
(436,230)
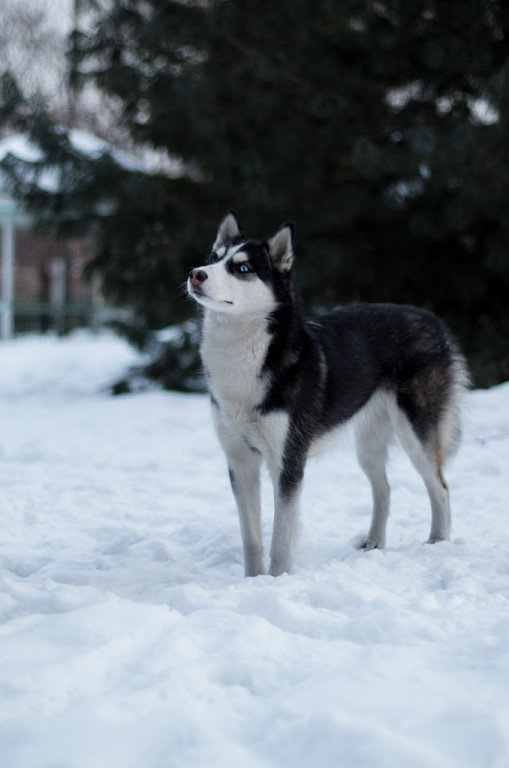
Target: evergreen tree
(380,128)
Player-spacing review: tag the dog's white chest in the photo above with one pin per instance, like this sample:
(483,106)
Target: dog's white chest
(233,354)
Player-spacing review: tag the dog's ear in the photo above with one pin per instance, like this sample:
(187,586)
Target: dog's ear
(228,230)
(281,248)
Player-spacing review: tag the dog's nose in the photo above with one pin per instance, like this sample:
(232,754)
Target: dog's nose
(197,276)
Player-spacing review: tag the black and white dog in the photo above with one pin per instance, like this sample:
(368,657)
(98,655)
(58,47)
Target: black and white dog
(280,384)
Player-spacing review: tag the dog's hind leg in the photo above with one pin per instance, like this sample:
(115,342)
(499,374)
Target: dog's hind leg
(427,457)
(372,440)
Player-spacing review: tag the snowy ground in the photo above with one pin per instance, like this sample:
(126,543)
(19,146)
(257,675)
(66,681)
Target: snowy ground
(130,639)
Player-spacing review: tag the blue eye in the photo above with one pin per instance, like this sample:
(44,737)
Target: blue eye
(244,268)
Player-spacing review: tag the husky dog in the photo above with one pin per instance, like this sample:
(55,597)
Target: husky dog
(280,384)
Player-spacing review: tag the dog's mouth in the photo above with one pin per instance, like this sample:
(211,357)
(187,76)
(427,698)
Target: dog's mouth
(196,290)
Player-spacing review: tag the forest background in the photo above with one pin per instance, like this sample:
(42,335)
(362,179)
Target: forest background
(380,128)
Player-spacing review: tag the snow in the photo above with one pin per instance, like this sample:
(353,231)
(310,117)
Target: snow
(129,637)
(17,144)
(87,144)
(92,146)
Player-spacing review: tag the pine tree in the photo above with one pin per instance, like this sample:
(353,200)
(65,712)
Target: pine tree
(380,128)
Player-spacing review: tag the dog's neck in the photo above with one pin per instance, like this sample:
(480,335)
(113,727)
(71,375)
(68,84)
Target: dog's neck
(239,353)
(224,322)
(233,350)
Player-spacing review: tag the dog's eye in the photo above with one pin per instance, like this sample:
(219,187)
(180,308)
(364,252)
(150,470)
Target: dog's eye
(245,268)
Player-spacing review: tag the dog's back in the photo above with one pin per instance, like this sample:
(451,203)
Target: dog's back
(401,350)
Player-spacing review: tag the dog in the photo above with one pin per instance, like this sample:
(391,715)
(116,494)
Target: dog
(280,385)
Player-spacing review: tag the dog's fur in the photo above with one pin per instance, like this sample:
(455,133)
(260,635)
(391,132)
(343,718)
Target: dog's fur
(279,385)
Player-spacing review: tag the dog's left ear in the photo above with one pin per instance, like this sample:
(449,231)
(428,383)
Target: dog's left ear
(281,248)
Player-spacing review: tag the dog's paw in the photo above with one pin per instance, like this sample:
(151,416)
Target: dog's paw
(368,544)
(278,568)
(254,572)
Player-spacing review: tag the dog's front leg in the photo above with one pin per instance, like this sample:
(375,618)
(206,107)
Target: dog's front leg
(244,470)
(245,481)
(287,490)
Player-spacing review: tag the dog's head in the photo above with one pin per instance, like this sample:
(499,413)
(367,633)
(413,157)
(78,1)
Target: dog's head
(243,276)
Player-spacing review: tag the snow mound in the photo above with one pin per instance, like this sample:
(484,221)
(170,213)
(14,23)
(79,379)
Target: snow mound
(78,364)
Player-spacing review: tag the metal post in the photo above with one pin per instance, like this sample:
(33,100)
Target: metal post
(97,303)
(7,303)
(57,294)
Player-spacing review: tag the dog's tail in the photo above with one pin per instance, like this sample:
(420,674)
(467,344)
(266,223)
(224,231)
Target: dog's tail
(450,424)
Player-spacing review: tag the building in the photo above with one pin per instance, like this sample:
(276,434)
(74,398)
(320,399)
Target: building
(43,282)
